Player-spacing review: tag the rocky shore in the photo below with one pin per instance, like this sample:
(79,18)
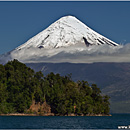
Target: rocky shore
(51,114)
(38,109)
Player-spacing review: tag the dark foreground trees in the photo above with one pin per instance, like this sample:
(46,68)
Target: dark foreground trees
(20,85)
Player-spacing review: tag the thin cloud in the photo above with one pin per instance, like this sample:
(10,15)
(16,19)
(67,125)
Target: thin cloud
(75,54)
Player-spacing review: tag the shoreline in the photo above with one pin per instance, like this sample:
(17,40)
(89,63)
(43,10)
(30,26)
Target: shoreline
(51,114)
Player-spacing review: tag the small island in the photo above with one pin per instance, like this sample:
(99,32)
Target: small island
(25,92)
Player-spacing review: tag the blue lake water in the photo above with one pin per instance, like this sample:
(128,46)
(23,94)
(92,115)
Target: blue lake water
(60,122)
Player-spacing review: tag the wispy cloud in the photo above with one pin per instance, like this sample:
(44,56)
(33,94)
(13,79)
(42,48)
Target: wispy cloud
(75,54)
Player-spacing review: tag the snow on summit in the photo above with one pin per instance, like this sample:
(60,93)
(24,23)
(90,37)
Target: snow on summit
(64,32)
(67,36)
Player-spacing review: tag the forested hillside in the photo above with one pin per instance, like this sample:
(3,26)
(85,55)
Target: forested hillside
(20,86)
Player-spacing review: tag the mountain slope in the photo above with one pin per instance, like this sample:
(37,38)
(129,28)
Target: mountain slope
(67,34)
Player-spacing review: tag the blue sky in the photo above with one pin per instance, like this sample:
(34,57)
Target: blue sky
(20,21)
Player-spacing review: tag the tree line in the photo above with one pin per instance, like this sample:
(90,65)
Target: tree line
(20,85)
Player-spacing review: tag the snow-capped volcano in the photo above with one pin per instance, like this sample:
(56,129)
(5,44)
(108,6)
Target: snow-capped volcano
(64,32)
(68,35)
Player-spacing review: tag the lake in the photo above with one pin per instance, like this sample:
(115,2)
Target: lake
(60,122)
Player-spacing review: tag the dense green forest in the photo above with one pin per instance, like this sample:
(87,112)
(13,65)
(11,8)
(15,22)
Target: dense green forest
(20,85)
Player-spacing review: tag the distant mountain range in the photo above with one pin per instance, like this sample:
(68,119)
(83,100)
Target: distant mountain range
(69,46)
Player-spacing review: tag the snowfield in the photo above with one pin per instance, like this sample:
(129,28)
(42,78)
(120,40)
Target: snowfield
(65,32)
